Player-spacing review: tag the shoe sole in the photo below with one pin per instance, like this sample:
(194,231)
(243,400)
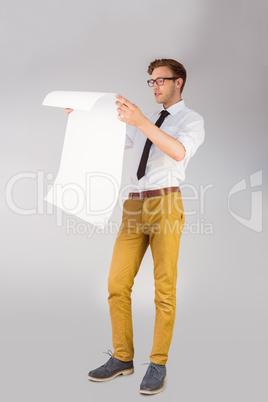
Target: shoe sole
(155,391)
(123,372)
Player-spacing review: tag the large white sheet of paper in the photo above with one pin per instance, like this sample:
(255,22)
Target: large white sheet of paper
(89,178)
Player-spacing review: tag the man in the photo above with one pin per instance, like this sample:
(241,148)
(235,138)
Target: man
(153,215)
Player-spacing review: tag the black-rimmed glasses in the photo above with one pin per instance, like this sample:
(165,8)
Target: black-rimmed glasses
(160,81)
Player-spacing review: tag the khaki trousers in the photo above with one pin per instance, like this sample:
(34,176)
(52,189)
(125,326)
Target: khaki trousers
(156,221)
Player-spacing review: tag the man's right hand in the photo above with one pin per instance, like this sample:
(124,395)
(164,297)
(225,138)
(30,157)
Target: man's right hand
(68,110)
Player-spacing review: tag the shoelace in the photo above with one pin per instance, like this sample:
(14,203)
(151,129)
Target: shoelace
(151,368)
(110,353)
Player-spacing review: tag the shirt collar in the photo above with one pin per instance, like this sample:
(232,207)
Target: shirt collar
(174,109)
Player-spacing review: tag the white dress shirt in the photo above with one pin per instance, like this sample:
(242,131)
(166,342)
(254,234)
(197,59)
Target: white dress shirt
(184,124)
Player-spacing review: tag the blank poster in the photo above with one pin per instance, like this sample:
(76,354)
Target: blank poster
(89,178)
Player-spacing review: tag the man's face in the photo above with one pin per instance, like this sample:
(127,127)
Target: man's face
(169,93)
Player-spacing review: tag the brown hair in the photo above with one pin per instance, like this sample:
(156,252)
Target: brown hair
(176,67)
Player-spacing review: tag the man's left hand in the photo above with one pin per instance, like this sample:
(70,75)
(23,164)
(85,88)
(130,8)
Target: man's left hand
(128,112)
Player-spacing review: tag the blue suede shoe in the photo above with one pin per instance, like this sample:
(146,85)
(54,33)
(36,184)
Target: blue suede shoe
(112,368)
(154,379)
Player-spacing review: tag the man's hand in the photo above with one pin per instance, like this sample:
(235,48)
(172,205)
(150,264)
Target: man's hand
(129,113)
(68,110)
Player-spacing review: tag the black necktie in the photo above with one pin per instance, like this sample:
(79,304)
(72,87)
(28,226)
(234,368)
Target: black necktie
(147,146)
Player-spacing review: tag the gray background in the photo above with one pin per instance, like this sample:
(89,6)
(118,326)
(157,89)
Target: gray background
(55,322)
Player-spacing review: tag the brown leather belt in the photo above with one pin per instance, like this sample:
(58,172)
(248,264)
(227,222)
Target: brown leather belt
(154,193)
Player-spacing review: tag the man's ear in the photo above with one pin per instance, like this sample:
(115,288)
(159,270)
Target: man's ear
(179,82)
